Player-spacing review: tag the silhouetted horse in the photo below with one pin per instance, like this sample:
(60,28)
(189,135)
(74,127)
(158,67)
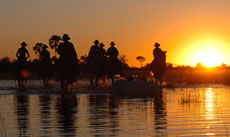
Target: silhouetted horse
(65,73)
(94,58)
(114,65)
(114,68)
(103,61)
(45,72)
(159,68)
(67,64)
(45,66)
(22,72)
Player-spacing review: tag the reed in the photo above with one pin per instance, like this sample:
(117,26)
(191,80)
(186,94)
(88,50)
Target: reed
(2,127)
(188,97)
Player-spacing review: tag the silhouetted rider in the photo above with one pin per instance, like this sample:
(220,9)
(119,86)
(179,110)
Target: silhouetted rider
(67,51)
(94,57)
(45,54)
(67,62)
(45,65)
(157,52)
(114,65)
(112,52)
(159,64)
(103,59)
(22,53)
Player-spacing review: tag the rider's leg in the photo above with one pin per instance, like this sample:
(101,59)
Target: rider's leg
(91,80)
(44,82)
(19,83)
(62,84)
(112,78)
(96,81)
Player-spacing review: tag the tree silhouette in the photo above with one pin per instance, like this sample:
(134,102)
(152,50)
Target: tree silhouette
(123,60)
(38,48)
(141,59)
(5,65)
(5,60)
(84,59)
(54,42)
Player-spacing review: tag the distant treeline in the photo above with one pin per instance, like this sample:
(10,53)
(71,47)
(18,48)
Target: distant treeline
(174,74)
(198,75)
(187,75)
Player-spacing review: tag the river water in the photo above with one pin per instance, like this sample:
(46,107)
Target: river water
(186,111)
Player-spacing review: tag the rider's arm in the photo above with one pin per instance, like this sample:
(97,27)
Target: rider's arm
(17,54)
(28,55)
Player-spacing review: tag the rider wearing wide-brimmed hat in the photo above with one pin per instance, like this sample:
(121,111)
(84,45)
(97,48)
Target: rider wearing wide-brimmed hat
(157,51)
(45,55)
(103,51)
(112,52)
(23,44)
(22,53)
(65,37)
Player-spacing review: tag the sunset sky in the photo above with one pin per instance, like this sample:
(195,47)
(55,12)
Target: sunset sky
(190,30)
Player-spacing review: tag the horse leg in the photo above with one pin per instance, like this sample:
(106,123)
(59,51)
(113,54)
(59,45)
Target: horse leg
(161,79)
(47,82)
(69,82)
(91,79)
(96,81)
(160,82)
(23,83)
(19,83)
(112,78)
(103,79)
(44,82)
(62,84)
(157,81)
(19,79)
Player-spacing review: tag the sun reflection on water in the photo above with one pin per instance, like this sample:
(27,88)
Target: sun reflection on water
(209,104)
(209,108)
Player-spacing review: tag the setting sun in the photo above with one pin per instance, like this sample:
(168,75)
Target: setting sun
(208,58)
(209,51)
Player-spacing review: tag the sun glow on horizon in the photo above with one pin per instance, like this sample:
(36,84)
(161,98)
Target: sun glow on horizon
(208,58)
(209,51)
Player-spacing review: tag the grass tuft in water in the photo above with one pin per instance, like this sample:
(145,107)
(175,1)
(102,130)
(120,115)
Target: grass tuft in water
(2,127)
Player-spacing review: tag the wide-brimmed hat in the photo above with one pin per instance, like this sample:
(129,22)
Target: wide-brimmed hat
(44,47)
(156,44)
(112,43)
(101,45)
(65,37)
(96,42)
(23,44)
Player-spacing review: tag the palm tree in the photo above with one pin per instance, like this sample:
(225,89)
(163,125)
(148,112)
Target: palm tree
(38,48)
(54,42)
(140,59)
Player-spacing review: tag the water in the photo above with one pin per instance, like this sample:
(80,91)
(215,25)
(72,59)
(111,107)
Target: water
(196,111)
